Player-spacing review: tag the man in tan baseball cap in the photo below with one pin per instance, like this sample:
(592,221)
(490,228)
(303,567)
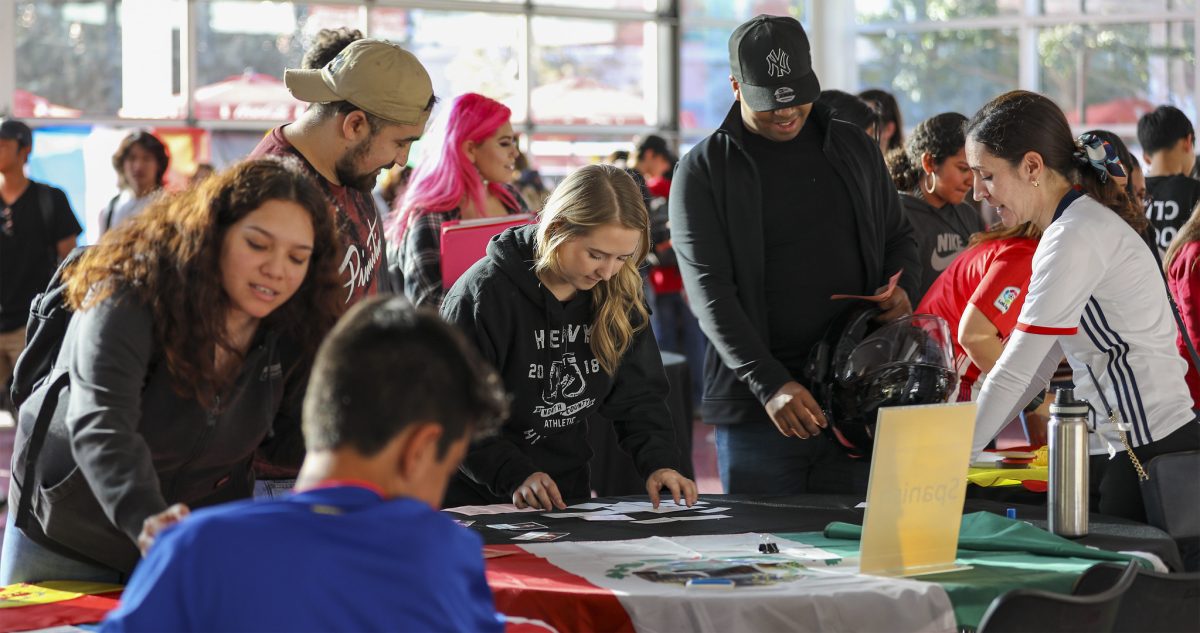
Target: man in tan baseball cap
(369,104)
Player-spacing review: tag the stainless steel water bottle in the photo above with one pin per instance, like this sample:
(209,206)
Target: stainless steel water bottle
(1068,432)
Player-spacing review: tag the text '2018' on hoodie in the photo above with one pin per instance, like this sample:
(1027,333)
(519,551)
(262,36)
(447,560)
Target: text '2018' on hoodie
(542,349)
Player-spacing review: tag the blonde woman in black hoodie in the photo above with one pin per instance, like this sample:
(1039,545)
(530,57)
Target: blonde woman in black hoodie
(558,309)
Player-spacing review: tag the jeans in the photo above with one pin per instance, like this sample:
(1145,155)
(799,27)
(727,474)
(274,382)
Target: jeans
(677,330)
(753,458)
(23,560)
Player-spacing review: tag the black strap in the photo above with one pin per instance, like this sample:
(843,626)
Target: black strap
(37,437)
(47,207)
(107,216)
(1100,392)
(1183,332)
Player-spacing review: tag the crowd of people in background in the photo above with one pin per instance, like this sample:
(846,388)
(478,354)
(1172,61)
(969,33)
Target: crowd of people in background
(204,349)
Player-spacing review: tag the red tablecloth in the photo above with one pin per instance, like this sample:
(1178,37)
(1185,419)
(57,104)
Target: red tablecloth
(530,586)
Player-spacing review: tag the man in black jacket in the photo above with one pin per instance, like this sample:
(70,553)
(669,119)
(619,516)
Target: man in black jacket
(773,213)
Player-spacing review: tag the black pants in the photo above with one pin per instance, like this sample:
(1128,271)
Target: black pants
(1116,479)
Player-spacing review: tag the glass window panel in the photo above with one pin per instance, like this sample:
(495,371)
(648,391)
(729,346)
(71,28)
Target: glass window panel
(1127,69)
(874,11)
(741,10)
(625,5)
(463,51)
(594,72)
(705,94)
(942,71)
(242,49)
(1104,7)
(556,155)
(73,58)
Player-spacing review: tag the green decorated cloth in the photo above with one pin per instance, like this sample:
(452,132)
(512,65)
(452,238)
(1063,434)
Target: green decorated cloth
(1003,554)
(988,532)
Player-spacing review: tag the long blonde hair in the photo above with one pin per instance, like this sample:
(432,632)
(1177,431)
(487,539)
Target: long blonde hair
(1189,232)
(1001,232)
(591,197)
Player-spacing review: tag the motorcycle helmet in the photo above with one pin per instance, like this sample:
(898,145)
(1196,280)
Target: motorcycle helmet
(907,361)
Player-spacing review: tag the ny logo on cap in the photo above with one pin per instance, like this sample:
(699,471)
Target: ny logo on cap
(777,63)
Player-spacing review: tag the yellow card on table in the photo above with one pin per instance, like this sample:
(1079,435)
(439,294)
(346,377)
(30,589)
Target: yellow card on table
(24,594)
(917,487)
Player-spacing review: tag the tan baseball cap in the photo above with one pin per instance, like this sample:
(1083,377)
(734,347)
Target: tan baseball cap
(377,76)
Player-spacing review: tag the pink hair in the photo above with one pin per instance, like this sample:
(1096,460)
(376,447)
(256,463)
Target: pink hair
(440,183)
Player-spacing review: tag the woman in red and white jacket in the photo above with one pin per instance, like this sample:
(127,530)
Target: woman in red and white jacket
(1183,276)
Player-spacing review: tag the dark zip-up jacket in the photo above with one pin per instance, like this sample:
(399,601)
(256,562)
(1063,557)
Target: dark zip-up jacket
(716,213)
(123,445)
(540,346)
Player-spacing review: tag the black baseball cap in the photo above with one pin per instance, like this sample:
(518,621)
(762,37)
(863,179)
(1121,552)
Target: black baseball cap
(14,130)
(656,144)
(770,59)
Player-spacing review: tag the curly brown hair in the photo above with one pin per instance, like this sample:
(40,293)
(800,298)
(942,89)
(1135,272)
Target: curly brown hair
(168,257)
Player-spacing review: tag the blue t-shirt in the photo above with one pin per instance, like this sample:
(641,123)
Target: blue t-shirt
(329,559)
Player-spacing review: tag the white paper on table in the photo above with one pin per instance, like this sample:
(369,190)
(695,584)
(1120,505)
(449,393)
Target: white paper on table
(701,517)
(605,516)
(862,504)
(540,536)
(588,506)
(987,460)
(499,508)
(571,515)
(711,510)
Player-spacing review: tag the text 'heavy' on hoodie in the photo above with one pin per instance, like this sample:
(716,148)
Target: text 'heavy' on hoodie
(542,349)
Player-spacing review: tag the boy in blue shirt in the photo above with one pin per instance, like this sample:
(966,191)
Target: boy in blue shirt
(360,546)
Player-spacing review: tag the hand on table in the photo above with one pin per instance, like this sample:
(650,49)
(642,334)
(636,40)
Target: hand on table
(155,524)
(795,412)
(538,492)
(681,487)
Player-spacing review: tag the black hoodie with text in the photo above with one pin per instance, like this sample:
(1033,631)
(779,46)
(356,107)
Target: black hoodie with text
(541,348)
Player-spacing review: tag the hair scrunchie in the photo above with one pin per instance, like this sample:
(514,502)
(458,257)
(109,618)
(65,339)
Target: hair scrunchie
(1092,151)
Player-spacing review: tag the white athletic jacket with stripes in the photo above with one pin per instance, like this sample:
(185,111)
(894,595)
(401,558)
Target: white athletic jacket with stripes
(1097,296)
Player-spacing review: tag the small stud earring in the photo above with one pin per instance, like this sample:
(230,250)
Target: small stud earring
(1037,184)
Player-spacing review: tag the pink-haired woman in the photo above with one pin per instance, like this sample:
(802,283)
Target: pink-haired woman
(466,176)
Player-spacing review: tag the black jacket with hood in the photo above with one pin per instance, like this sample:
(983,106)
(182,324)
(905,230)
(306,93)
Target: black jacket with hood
(540,347)
(124,445)
(717,230)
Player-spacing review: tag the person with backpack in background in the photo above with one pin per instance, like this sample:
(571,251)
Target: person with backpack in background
(141,162)
(186,356)
(1168,143)
(37,230)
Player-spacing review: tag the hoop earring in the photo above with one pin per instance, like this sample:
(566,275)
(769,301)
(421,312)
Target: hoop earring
(933,182)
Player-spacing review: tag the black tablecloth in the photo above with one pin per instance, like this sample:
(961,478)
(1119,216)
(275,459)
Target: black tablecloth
(811,513)
(613,473)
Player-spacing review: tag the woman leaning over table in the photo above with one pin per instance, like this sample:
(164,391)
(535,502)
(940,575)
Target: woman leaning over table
(187,355)
(558,309)
(1095,294)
